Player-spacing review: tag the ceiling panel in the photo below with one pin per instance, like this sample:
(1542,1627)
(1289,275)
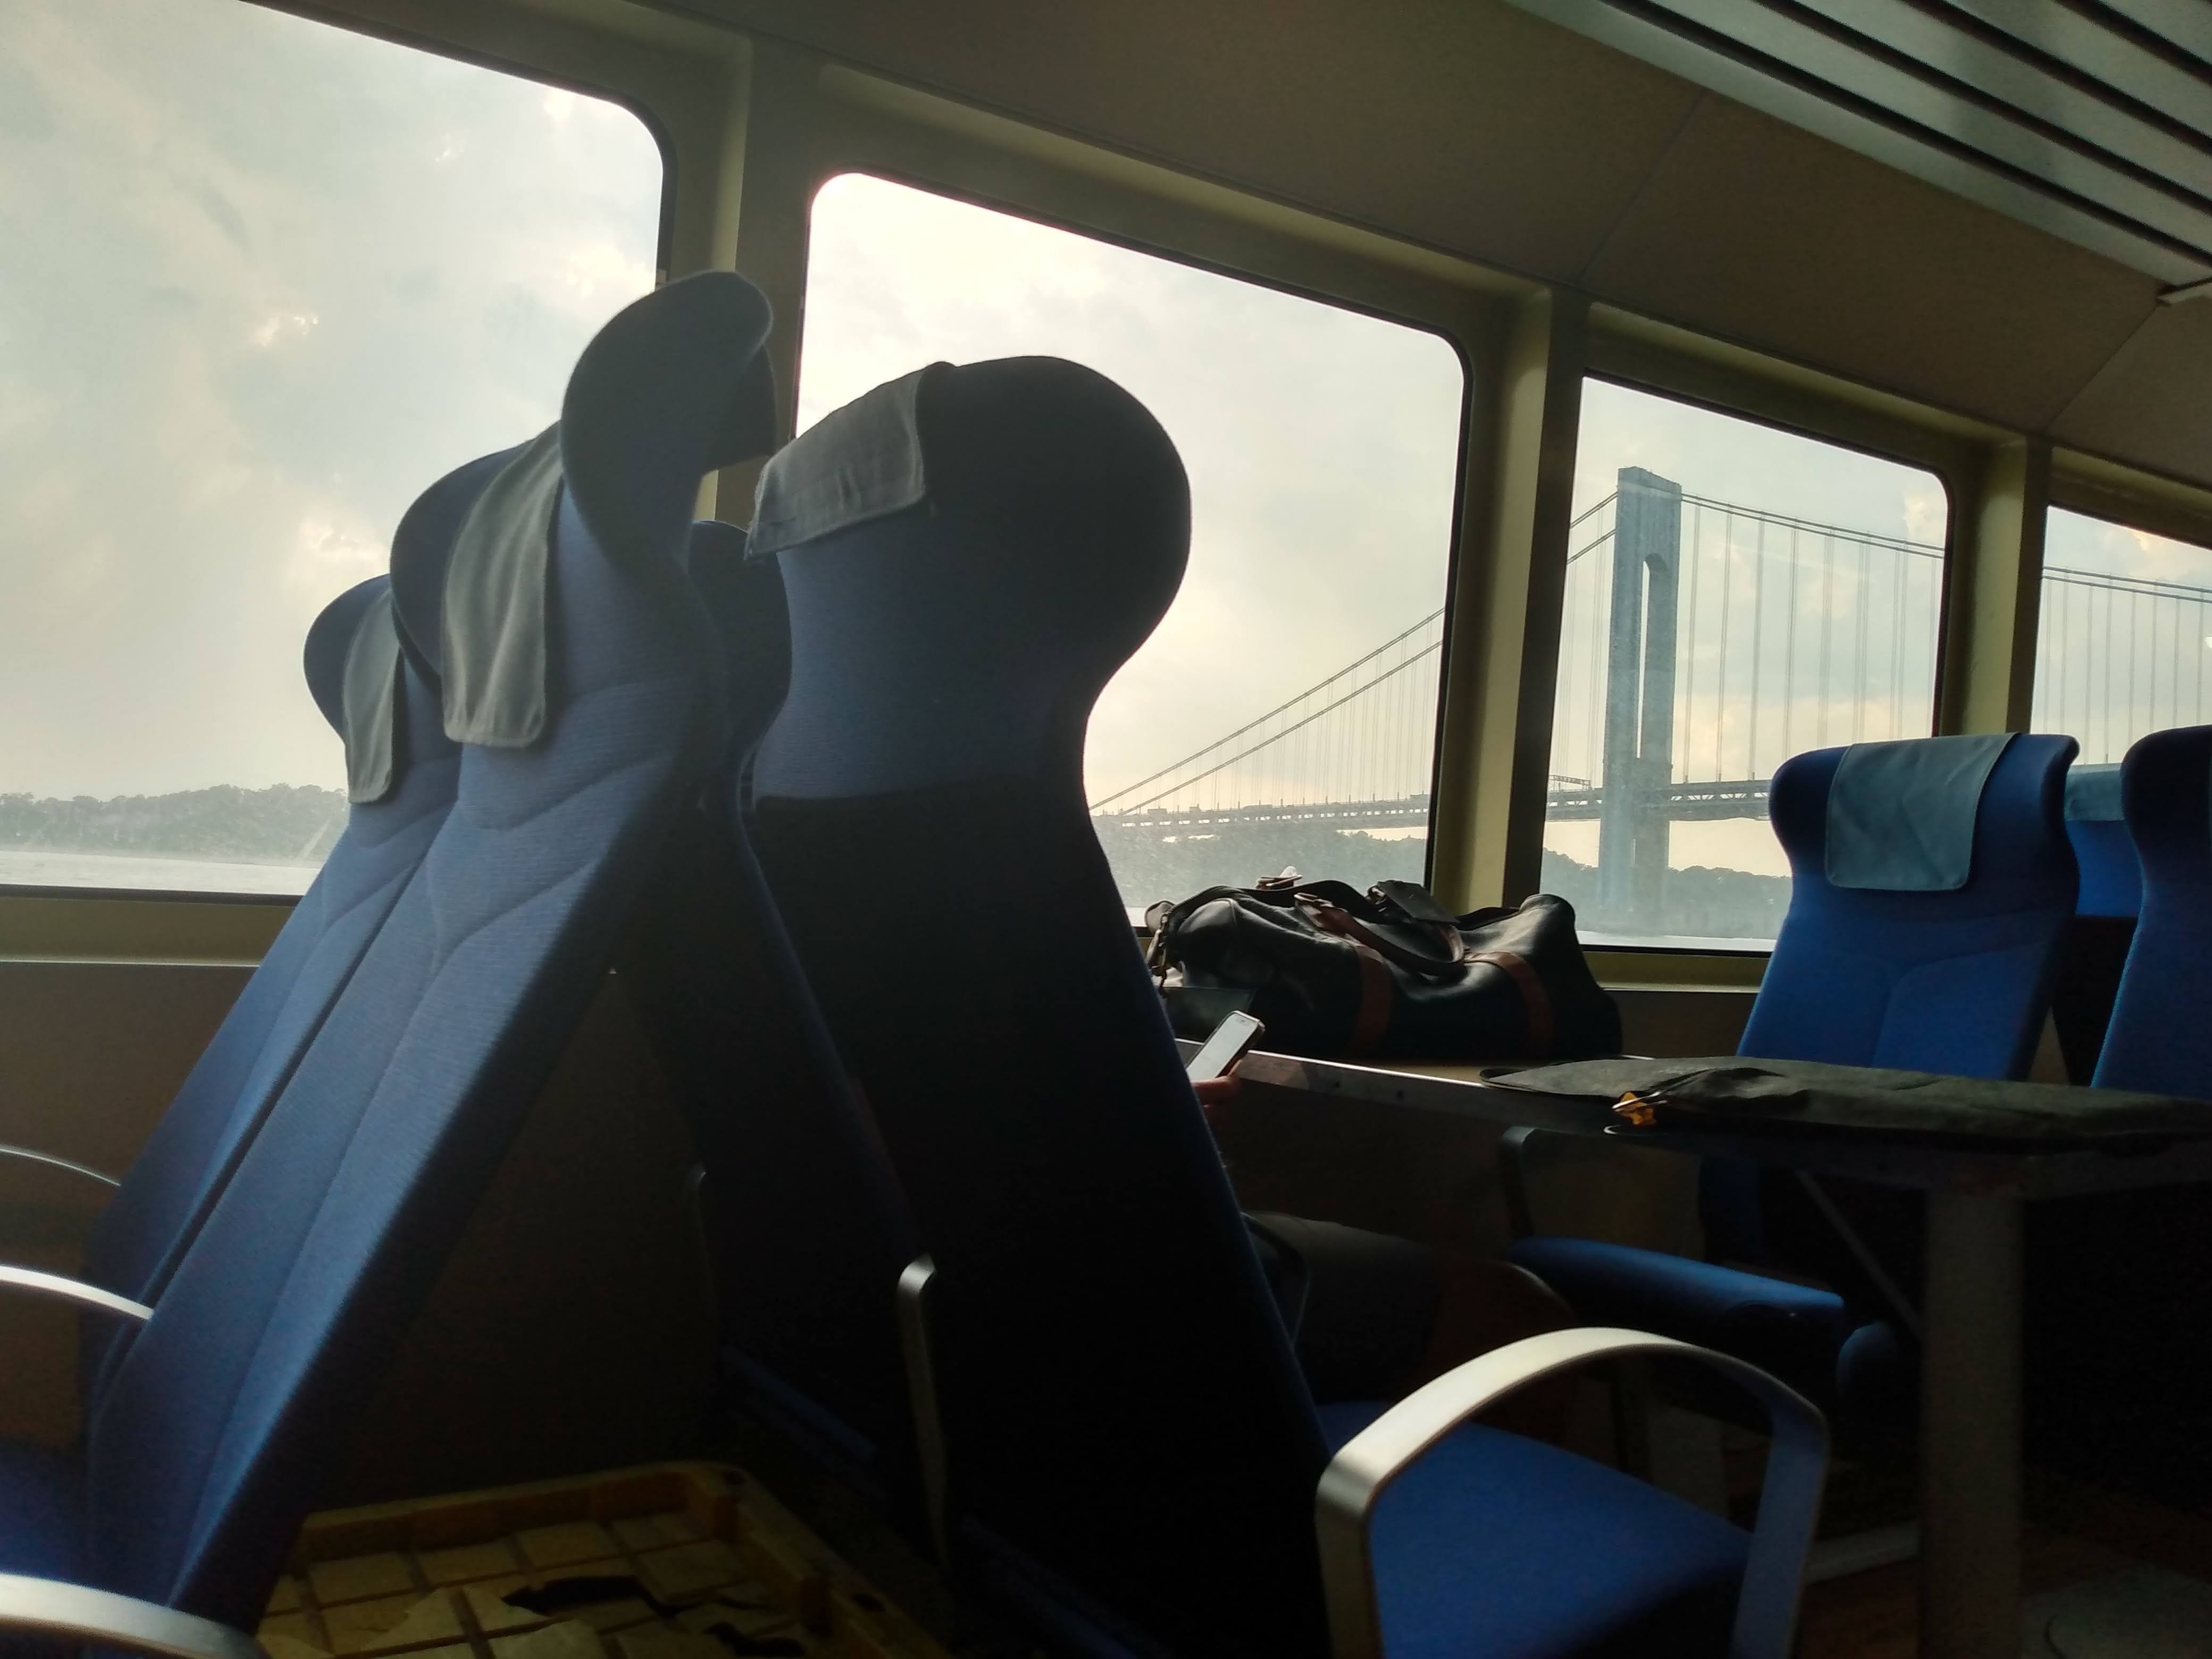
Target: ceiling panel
(2152,404)
(2151,51)
(1759,232)
(1441,119)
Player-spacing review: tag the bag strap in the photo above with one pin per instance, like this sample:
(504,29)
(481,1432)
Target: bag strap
(1543,1023)
(1379,995)
(1335,919)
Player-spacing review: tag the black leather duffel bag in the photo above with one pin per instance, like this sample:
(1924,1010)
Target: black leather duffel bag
(1390,972)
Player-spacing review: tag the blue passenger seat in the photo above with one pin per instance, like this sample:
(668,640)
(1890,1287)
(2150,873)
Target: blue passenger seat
(577,668)
(1952,978)
(970,555)
(400,779)
(806,1227)
(2119,1342)
(2104,916)
(2159,1038)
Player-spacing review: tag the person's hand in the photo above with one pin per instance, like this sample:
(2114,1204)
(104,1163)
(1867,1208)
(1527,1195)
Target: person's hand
(1215,1090)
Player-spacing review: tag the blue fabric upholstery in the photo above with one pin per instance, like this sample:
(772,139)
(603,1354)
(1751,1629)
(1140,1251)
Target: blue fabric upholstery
(2111,879)
(41,1512)
(2158,1038)
(1486,1546)
(1955,983)
(221,1422)
(178,1175)
(806,1224)
(2093,794)
(2119,1346)
(1129,1414)
(1901,815)
(1791,1330)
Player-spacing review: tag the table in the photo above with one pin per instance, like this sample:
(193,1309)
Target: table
(1971,1479)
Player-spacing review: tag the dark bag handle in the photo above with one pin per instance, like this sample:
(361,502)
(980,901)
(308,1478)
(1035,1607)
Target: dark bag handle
(1333,918)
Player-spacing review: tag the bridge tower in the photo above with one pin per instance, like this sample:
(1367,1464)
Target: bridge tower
(1639,694)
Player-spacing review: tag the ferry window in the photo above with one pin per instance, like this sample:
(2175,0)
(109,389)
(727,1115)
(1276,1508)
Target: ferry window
(2124,644)
(265,279)
(1283,714)
(1734,595)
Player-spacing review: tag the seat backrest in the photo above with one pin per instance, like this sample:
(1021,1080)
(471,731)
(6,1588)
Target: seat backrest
(1956,982)
(2158,1038)
(401,771)
(2111,876)
(1954,979)
(571,651)
(805,1226)
(969,555)
(2104,924)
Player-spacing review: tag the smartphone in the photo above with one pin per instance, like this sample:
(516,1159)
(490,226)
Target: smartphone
(1222,1050)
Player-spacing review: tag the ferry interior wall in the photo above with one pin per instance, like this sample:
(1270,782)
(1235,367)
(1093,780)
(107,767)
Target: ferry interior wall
(660,661)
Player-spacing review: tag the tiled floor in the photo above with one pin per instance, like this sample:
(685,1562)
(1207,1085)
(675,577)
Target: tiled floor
(689,1561)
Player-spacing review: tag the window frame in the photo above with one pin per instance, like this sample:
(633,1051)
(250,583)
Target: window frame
(2124,501)
(1783,414)
(1661,360)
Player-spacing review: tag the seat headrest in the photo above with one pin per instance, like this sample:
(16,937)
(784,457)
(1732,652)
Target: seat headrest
(855,464)
(422,548)
(1901,815)
(2093,794)
(968,554)
(352,663)
(672,388)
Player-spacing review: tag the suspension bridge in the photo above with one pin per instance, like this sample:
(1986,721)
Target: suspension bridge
(1702,643)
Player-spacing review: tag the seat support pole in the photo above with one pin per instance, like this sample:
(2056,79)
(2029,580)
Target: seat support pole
(1971,1437)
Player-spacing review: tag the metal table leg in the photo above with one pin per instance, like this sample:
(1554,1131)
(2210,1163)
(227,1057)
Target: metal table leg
(1971,1434)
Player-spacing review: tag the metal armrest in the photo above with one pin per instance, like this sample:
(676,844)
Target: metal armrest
(930,1449)
(32,1156)
(1513,1179)
(1356,1478)
(77,1613)
(72,1290)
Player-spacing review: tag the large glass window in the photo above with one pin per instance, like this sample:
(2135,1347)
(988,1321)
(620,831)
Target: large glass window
(2125,634)
(1283,714)
(264,281)
(1734,595)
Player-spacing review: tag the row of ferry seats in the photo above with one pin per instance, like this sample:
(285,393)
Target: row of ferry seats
(955,1047)
(1955,979)
(548,745)
(526,707)
(1932,888)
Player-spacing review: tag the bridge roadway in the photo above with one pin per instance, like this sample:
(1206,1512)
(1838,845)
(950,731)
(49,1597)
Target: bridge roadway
(1680,803)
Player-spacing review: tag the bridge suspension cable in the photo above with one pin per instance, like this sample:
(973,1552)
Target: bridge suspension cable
(1209,766)
(1702,642)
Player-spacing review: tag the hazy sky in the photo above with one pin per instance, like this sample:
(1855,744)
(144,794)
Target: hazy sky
(264,281)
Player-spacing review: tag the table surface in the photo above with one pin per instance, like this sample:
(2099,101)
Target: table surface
(1888,1160)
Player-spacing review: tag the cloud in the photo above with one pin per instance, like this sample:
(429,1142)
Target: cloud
(279,278)
(282,326)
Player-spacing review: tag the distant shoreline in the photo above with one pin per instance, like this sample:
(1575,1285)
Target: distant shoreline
(241,875)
